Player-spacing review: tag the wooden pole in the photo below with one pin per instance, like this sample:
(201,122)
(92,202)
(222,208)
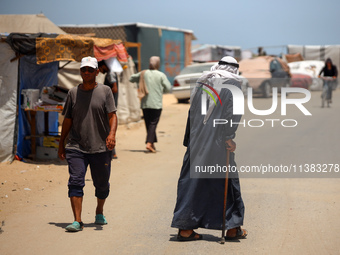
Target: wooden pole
(225,199)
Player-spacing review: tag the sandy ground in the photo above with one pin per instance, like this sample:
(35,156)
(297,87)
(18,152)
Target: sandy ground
(283,215)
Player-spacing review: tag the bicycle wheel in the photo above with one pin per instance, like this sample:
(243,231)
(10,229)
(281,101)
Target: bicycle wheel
(323,97)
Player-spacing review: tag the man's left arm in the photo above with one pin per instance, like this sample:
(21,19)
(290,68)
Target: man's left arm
(166,84)
(135,77)
(114,88)
(113,82)
(111,138)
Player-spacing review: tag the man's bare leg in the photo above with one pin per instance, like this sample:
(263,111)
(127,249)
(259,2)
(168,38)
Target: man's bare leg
(100,206)
(76,203)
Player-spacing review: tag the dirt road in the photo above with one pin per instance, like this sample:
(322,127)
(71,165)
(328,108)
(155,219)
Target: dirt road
(283,215)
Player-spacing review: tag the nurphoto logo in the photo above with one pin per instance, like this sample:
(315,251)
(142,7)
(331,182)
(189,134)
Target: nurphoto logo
(238,104)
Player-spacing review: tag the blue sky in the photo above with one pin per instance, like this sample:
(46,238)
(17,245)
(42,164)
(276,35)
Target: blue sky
(244,23)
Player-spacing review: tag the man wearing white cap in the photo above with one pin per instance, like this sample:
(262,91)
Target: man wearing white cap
(90,123)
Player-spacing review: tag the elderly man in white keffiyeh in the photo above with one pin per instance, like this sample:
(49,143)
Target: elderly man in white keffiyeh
(200,192)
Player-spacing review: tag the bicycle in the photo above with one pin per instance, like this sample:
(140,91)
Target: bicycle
(326,90)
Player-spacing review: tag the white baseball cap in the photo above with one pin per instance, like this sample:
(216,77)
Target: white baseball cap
(89,61)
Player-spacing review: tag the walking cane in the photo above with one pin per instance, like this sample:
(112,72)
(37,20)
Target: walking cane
(225,198)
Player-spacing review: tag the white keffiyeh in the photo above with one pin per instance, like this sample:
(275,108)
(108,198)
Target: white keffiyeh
(223,71)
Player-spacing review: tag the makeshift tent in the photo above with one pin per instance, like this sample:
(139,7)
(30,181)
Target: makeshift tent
(34,59)
(8,101)
(36,23)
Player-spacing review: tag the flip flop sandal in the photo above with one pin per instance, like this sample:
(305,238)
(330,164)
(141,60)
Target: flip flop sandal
(189,238)
(240,234)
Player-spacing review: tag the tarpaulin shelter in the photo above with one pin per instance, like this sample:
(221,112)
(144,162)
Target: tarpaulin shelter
(31,61)
(172,45)
(28,23)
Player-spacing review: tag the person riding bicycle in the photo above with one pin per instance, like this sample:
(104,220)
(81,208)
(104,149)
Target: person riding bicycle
(329,70)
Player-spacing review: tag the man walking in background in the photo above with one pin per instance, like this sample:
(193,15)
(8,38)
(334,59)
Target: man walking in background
(154,83)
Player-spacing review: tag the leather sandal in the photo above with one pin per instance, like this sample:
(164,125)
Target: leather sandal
(192,237)
(240,234)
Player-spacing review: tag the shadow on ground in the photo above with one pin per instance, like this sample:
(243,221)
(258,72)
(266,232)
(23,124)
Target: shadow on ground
(86,225)
(206,237)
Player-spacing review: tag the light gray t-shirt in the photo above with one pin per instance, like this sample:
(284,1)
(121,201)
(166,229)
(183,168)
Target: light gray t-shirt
(89,111)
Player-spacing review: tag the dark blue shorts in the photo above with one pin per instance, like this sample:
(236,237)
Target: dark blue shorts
(100,165)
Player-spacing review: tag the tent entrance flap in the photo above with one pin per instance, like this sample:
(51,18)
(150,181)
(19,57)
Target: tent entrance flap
(8,102)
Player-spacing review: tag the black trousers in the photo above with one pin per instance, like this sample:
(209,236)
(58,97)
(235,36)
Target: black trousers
(151,118)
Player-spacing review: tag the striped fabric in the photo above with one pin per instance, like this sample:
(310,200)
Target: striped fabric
(113,50)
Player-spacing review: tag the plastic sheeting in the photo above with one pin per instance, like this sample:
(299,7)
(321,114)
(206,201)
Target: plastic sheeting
(52,47)
(128,102)
(114,65)
(319,52)
(69,74)
(33,76)
(32,23)
(209,52)
(8,101)
(25,44)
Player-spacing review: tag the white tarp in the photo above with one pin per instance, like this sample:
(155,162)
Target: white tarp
(8,101)
(310,52)
(207,52)
(311,68)
(28,23)
(128,102)
(69,75)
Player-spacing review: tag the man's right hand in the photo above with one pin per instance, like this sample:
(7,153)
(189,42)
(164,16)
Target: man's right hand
(61,152)
(230,145)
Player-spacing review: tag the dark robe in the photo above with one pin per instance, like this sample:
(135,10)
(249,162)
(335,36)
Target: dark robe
(200,199)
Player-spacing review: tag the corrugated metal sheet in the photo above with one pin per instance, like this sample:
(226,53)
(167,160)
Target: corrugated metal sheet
(149,37)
